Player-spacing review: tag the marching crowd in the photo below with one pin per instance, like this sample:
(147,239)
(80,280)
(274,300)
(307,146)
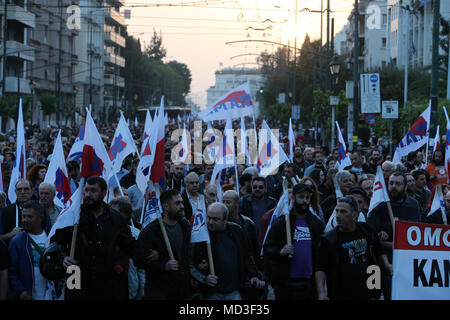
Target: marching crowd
(254,257)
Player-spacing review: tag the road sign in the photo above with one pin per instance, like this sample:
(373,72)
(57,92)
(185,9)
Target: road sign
(349,89)
(389,109)
(334,100)
(296,112)
(370,119)
(370,93)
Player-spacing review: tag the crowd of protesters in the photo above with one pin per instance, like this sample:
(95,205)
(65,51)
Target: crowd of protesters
(252,257)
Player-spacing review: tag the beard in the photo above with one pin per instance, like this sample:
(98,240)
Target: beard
(301,208)
(92,205)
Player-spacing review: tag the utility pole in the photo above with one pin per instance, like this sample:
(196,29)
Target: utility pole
(321,44)
(434,66)
(58,79)
(5,32)
(328,44)
(356,73)
(295,60)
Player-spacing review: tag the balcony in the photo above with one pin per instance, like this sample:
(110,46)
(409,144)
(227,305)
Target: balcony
(114,17)
(111,58)
(11,85)
(15,48)
(115,38)
(109,80)
(19,14)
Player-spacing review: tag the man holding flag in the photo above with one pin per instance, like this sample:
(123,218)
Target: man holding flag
(231,258)
(167,278)
(403,207)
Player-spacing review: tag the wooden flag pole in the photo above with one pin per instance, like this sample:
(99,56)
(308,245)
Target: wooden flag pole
(74,241)
(166,238)
(288,222)
(210,259)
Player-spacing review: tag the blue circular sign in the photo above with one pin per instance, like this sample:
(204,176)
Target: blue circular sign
(374,78)
(370,119)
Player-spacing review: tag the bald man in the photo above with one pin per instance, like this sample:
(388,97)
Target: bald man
(436,217)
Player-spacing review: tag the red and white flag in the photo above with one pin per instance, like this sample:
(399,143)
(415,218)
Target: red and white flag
(447,146)
(95,160)
(234,104)
(148,125)
(343,157)
(380,192)
(122,145)
(19,169)
(57,174)
(437,140)
(291,138)
(70,215)
(270,155)
(416,136)
(226,157)
(157,174)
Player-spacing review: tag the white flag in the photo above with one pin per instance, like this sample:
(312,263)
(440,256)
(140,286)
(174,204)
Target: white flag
(19,170)
(380,192)
(226,157)
(438,203)
(343,158)
(199,231)
(291,138)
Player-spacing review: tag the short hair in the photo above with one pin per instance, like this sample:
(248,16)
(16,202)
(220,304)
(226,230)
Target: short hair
(358,190)
(251,170)
(263,180)
(419,172)
(391,164)
(244,178)
(44,184)
(167,195)
(29,182)
(34,204)
(341,175)
(400,174)
(291,165)
(350,201)
(308,149)
(234,194)
(99,181)
(124,205)
(329,160)
(222,206)
(316,152)
(189,175)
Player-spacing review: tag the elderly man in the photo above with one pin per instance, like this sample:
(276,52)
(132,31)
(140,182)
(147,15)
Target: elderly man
(192,199)
(231,257)
(11,216)
(388,167)
(345,180)
(210,194)
(46,196)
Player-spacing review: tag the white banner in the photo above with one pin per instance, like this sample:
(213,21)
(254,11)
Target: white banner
(421,262)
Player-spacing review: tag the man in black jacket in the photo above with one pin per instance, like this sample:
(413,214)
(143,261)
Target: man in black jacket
(234,268)
(293,266)
(103,246)
(8,228)
(256,204)
(166,278)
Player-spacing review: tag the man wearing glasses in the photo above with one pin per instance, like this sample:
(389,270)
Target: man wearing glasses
(234,268)
(256,204)
(293,265)
(344,255)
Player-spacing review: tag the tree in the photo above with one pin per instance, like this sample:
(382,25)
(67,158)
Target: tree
(156,50)
(49,103)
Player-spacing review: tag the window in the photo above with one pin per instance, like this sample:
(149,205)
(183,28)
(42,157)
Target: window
(383,42)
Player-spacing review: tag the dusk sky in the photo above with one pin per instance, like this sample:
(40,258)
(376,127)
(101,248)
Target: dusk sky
(196,32)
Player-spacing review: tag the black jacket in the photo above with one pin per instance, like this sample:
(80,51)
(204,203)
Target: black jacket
(162,284)
(276,240)
(247,267)
(187,206)
(365,168)
(246,208)
(248,226)
(103,248)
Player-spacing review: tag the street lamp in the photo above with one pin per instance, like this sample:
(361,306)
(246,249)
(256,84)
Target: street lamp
(335,68)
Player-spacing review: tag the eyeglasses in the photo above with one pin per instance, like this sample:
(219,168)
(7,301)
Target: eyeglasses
(350,201)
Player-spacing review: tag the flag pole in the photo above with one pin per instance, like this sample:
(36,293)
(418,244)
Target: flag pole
(287,217)
(391,214)
(17,215)
(166,238)
(75,229)
(210,258)
(118,183)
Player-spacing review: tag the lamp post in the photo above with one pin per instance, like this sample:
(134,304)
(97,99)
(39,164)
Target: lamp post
(32,86)
(335,68)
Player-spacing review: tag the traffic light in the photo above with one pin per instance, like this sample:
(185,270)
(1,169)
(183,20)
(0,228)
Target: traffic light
(261,90)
